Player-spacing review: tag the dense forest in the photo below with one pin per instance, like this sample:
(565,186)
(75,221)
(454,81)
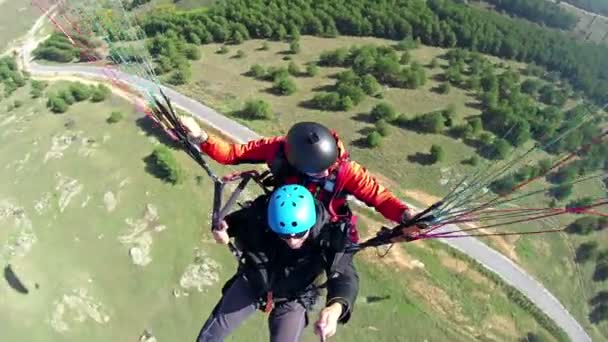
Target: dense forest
(435,22)
(541,11)
(595,6)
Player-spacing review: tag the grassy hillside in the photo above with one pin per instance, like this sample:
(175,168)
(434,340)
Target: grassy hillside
(109,251)
(16,17)
(222,81)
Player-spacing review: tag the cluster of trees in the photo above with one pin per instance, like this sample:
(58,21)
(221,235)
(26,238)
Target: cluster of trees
(587,224)
(348,91)
(172,57)
(166,166)
(434,22)
(382,114)
(541,11)
(10,75)
(599,302)
(60,101)
(58,48)
(37,88)
(283,84)
(382,62)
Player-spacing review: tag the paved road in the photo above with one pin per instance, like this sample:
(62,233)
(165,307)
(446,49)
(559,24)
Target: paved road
(494,261)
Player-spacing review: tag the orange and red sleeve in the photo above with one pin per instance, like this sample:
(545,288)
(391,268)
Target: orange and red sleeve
(361,184)
(253,152)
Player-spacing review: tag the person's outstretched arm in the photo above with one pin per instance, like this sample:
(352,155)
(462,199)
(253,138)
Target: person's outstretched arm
(359,183)
(254,152)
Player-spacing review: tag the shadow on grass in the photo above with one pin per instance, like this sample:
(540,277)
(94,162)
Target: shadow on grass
(475,105)
(420,158)
(152,129)
(326,88)
(13,281)
(154,169)
(363,117)
(361,143)
(365,131)
(375,299)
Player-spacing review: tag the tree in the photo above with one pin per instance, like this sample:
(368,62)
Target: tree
(257,71)
(67,96)
(433,122)
(600,298)
(448,114)
(374,139)
(405,58)
(370,85)
(240,54)
(383,111)
(561,192)
(167,166)
(57,104)
(293,69)
(312,70)
(580,203)
(444,88)
(294,47)
(256,110)
(585,252)
(99,93)
(473,161)
(584,225)
(37,88)
(237,38)
(264,46)
(327,101)
(382,127)
(180,76)
(115,117)
(284,86)
(80,92)
(530,86)
(437,154)
(192,52)
(599,314)
(500,149)
(434,63)
(601,271)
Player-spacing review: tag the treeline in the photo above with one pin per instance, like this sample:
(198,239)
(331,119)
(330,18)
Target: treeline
(61,100)
(595,6)
(541,11)
(58,48)
(434,22)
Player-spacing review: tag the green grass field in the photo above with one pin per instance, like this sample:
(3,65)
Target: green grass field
(76,197)
(16,17)
(219,81)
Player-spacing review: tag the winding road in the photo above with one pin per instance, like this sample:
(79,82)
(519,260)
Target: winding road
(488,257)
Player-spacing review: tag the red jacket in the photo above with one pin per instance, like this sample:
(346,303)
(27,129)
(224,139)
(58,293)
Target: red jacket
(353,177)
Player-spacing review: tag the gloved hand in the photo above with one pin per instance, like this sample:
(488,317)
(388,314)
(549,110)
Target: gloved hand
(196,135)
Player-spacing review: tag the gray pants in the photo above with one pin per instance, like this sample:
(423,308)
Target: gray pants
(285,322)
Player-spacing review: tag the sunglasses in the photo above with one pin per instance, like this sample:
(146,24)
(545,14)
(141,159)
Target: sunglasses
(292,236)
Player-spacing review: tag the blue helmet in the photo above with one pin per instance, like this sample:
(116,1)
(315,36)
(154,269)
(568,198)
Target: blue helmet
(291,210)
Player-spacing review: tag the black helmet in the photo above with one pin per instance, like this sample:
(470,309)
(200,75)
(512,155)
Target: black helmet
(310,147)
